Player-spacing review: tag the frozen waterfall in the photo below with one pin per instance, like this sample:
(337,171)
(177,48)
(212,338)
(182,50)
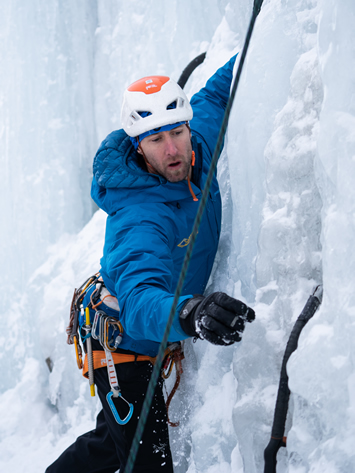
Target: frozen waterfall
(287,174)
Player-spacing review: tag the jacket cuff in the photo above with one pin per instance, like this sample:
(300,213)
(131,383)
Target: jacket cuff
(186,316)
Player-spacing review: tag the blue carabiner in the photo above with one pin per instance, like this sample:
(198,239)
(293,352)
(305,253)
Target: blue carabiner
(114,410)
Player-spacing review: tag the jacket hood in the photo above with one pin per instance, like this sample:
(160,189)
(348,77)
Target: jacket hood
(119,180)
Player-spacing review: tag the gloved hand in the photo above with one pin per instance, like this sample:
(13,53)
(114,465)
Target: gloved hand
(218,318)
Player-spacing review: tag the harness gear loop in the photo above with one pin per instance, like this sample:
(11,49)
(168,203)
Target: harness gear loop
(78,321)
(77,299)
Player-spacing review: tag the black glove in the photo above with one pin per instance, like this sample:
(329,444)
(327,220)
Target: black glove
(218,318)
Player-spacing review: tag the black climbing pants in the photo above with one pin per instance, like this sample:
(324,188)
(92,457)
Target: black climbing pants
(105,449)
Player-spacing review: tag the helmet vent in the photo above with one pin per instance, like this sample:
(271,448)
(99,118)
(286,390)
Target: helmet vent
(144,114)
(134,117)
(180,102)
(172,105)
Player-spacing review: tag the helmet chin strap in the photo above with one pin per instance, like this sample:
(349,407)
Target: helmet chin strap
(152,170)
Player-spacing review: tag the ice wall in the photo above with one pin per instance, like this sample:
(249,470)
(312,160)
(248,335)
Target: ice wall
(275,258)
(47,130)
(286,179)
(322,372)
(64,67)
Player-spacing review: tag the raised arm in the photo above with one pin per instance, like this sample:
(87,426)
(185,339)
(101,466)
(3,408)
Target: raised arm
(209,105)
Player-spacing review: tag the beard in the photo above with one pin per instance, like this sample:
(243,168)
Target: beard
(176,173)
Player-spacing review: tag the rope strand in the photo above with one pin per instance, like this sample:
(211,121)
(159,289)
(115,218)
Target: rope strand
(159,360)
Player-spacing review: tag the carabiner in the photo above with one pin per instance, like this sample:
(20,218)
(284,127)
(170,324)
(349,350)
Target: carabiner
(112,344)
(168,366)
(97,326)
(78,352)
(114,410)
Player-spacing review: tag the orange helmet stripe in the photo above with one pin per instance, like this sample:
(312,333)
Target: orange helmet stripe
(149,85)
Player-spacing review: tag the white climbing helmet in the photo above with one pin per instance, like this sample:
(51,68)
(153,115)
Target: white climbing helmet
(153,102)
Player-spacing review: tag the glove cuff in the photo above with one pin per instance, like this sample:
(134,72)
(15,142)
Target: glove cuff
(186,316)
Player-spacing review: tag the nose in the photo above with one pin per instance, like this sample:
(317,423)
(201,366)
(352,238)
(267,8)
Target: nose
(170,147)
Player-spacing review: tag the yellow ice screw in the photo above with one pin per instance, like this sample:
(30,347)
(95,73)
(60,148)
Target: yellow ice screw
(87,316)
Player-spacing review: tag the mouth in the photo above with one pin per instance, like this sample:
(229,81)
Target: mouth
(174,165)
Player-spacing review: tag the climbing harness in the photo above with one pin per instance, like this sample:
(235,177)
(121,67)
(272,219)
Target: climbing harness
(278,427)
(108,331)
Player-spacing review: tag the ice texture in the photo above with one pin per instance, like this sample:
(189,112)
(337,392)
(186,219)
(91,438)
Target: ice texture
(287,181)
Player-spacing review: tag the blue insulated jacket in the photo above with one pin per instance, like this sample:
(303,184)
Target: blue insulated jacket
(150,221)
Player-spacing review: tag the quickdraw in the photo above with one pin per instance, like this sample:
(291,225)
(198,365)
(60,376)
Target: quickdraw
(115,391)
(109,332)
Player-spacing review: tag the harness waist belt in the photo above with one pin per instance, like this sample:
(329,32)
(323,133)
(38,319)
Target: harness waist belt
(100,361)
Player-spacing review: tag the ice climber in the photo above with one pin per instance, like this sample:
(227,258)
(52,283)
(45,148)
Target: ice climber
(148,178)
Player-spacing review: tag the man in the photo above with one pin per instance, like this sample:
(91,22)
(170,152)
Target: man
(148,177)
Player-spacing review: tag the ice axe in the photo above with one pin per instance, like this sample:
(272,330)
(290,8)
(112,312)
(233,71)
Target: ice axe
(186,73)
(283,395)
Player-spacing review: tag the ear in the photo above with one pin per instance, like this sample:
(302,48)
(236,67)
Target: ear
(139,149)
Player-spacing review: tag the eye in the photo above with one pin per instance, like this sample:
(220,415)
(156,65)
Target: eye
(178,132)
